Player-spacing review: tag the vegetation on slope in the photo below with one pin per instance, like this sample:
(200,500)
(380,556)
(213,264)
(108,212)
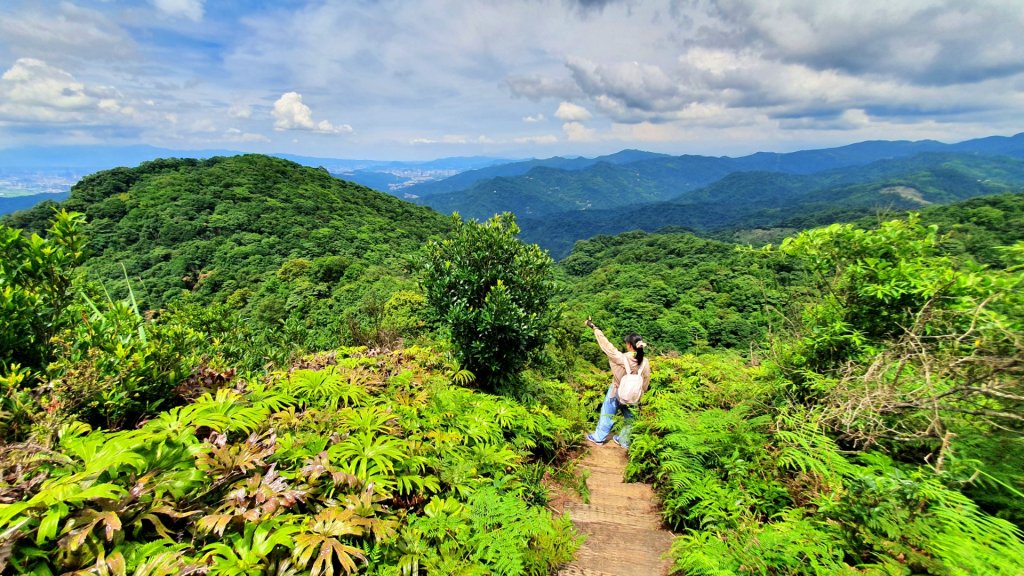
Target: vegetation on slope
(357,466)
(270,240)
(132,448)
(882,436)
(874,428)
(689,294)
(681,292)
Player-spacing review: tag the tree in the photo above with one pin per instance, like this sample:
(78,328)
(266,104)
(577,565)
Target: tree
(36,288)
(492,291)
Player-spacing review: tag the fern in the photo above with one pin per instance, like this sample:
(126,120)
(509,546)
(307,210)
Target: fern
(805,447)
(325,389)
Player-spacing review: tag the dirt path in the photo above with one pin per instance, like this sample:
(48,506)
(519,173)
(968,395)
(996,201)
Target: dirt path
(622,525)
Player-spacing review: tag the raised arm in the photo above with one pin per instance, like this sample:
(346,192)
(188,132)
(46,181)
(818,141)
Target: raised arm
(609,349)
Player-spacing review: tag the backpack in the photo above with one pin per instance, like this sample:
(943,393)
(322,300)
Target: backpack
(631,386)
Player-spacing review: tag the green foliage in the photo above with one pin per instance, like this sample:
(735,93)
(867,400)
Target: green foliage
(377,464)
(763,490)
(492,292)
(678,291)
(978,228)
(36,288)
(114,367)
(287,246)
(875,281)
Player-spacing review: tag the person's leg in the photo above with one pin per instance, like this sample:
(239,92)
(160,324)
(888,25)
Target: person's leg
(627,425)
(604,423)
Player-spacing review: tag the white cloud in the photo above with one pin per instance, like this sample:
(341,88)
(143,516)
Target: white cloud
(453,139)
(542,139)
(538,87)
(291,114)
(63,35)
(577,132)
(570,112)
(191,9)
(241,111)
(236,135)
(33,91)
(708,75)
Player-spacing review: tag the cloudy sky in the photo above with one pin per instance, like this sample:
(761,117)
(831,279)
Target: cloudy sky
(419,79)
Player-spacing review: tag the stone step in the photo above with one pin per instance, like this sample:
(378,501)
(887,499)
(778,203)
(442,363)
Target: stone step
(624,492)
(621,522)
(574,570)
(623,550)
(614,515)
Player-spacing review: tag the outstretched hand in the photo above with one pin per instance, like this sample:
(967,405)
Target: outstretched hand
(590,323)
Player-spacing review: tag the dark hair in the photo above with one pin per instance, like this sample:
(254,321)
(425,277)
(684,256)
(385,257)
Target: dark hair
(633,340)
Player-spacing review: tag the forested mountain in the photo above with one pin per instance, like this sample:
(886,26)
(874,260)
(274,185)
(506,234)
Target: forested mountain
(748,200)
(688,293)
(289,374)
(482,193)
(467,179)
(680,291)
(274,239)
(692,171)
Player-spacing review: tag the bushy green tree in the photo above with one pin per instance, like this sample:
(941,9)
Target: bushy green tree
(36,287)
(492,291)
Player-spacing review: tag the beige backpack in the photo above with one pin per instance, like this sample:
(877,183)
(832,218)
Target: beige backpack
(631,386)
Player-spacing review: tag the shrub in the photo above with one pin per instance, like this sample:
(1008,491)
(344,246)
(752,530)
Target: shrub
(492,292)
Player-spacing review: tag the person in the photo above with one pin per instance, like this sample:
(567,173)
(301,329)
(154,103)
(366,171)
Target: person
(634,356)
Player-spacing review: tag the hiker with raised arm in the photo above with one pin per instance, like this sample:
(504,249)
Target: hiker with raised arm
(631,375)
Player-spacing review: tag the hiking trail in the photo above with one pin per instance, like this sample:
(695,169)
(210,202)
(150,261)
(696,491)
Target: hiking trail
(622,525)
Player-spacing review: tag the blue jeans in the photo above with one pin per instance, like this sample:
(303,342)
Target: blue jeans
(608,409)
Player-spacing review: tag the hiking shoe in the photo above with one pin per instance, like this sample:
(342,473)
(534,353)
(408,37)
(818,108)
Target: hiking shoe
(590,436)
(619,442)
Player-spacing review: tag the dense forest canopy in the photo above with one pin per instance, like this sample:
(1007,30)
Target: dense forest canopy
(274,240)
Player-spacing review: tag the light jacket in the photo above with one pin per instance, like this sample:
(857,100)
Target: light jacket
(615,361)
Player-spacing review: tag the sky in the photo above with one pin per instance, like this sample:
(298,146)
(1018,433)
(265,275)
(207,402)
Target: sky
(424,79)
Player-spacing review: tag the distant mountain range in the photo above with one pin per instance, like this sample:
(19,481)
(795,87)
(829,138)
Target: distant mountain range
(749,200)
(538,188)
(16,203)
(561,201)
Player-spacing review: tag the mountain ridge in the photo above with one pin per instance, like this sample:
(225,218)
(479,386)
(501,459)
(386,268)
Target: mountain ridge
(668,176)
(767,199)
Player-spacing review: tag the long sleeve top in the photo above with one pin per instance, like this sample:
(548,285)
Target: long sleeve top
(616,359)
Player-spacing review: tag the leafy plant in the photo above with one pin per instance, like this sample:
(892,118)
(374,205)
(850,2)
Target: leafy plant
(492,292)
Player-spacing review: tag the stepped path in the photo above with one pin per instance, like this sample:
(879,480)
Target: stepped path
(621,522)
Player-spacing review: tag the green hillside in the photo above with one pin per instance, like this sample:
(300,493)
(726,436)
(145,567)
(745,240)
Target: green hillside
(690,294)
(545,191)
(275,240)
(681,292)
(308,377)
